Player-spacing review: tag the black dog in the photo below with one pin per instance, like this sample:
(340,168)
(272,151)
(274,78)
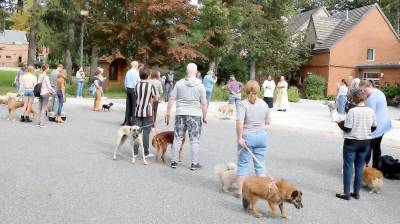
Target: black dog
(390,167)
(107,106)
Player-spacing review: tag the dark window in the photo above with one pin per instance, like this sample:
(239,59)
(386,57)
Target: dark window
(8,57)
(19,59)
(113,71)
(371,54)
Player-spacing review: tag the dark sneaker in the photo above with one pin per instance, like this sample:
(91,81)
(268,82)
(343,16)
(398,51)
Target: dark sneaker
(355,195)
(343,196)
(27,119)
(174,165)
(22,119)
(196,166)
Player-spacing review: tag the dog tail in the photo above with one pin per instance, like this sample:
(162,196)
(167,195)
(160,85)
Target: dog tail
(219,168)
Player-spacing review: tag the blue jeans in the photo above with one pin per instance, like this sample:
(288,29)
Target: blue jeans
(354,152)
(257,143)
(341,104)
(208,96)
(234,100)
(60,98)
(79,88)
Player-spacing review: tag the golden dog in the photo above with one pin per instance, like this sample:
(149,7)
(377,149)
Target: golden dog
(275,194)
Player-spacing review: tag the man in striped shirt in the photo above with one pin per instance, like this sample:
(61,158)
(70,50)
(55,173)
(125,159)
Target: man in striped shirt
(145,93)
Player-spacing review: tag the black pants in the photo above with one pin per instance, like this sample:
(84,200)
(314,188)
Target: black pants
(269,101)
(130,106)
(375,150)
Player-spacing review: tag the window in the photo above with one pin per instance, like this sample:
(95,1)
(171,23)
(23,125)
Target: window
(370,54)
(373,77)
(113,74)
(8,57)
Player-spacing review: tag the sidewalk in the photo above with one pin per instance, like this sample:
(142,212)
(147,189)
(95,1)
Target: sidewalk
(306,116)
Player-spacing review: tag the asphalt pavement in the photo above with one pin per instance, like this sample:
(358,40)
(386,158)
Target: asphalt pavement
(64,174)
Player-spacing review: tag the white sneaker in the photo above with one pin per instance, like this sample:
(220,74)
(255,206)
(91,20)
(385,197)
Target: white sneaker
(149,155)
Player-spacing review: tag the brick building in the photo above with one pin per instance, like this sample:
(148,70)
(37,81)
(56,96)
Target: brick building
(13,48)
(358,43)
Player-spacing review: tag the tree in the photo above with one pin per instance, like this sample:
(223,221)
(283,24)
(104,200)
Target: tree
(216,18)
(151,31)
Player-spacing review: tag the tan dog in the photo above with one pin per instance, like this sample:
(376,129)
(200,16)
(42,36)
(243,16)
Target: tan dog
(373,178)
(161,141)
(13,104)
(134,133)
(227,109)
(227,175)
(262,187)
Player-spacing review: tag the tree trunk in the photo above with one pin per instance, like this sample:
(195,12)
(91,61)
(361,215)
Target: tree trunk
(252,69)
(94,58)
(32,45)
(212,64)
(68,55)
(68,64)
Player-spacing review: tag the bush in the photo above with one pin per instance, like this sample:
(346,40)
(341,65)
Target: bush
(314,87)
(293,94)
(220,93)
(392,94)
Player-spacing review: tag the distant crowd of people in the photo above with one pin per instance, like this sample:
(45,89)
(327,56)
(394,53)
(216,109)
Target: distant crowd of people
(47,89)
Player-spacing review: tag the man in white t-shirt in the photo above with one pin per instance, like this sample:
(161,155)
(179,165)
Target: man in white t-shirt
(269,87)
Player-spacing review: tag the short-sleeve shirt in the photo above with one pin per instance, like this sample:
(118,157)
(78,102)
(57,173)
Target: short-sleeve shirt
(253,116)
(360,120)
(144,92)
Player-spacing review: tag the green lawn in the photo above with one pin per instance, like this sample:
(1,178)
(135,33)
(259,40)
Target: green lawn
(6,82)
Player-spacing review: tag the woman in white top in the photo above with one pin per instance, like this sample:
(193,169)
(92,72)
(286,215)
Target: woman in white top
(80,77)
(156,82)
(45,93)
(282,101)
(28,82)
(269,87)
(341,98)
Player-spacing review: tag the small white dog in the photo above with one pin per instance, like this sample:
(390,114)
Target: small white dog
(134,133)
(227,174)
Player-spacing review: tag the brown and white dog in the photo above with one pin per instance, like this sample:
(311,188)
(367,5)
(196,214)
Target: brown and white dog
(275,194)
(12,102)
(227,175)
(161,141)
(373,178)
(227,109)
(134,133)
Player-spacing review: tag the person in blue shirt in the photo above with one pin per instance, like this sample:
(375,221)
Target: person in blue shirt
(131,79)
(376,101)
(209,81)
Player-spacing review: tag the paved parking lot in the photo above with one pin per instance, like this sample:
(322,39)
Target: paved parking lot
(65,174)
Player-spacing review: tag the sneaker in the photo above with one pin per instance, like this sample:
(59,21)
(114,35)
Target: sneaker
(196,166)
(149,155)
(134,155)
(355,195)
(174,165)
(343,196)
(43,126)
(27,119)
(22,119)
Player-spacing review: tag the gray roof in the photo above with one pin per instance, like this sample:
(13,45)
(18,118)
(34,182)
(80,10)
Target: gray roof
(13,37)
(300,19)
(387,65)
(343,26)
(324,27)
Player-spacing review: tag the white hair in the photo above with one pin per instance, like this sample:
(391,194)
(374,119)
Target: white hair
(134,64)
(191,69)
(355,83)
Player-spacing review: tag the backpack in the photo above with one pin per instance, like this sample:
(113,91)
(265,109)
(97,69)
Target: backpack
(389,166)
(38,88)
(92,90)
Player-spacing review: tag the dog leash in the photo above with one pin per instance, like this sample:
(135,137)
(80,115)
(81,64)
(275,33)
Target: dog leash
(273,183)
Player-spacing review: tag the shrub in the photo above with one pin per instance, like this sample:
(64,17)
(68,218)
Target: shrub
(293,94)
(220,93)
(314,87)
(392,94)
(331,98)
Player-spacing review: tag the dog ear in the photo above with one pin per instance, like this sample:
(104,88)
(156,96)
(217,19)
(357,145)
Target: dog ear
(294,194)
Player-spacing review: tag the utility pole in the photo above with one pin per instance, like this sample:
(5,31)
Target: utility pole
(84,14)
